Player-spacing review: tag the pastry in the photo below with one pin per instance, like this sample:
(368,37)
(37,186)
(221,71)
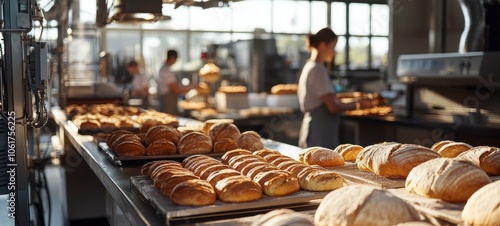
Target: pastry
(250,140)
(321,156)
(483,207)
(195,143)
(446,179)
(393,160)
(363,205)
(488,158)
(348,151)
(193,193)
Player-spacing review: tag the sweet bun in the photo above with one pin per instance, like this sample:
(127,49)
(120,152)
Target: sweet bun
(250,140)
(446,179)
(225,145)
(193,193)
(483,207)
(488,158)
(363,205)
(348,151)
(393,160)
(321,156)
(194,143)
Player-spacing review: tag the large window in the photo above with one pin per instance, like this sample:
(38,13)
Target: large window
(363,29)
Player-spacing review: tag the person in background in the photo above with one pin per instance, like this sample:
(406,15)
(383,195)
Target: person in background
(168,87)
(139,87)
(316,94)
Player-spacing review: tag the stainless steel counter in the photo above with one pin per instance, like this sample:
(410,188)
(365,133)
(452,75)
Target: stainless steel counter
(116,179)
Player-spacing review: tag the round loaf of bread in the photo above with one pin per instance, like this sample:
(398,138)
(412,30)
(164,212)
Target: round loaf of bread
(129,148)
(225,145)
(194,143)
(446,179)
(282,217)
(488,158)
(193,193)
(483,207)
(393,160)
(224,130)
(348,151)
(209,123)
(277,183)
(238,189)
(250,140)
(161,147)
(453,149)
(321,156)
(230,154)
(363,205)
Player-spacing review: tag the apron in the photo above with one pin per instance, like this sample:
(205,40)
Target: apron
(319,128)
(168,103)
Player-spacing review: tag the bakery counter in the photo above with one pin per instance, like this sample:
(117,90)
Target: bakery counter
(116,180)
(424,130)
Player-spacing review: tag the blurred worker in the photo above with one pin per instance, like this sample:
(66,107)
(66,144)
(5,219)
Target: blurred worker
(139,87)
(168,87)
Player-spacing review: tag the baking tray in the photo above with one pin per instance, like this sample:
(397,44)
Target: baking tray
(177,214)
(350,172)
(139,160)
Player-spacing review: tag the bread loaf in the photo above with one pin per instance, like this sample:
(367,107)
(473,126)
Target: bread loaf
(209,123)
(215,177)
(320,180)
(250,140)
(277,182)
(193,193)
(230,154)
(321,156)
(393,160)
(488,158)
(238,189)
(449,148)
(224,130)
(282,217)
(165,174)
(204,174)
(195,143)
(129,148)
(348,151)
(483,207)
(162,132)
(225,145)
(446,179)
(363,205)
(167,185)
(161,147)
(265,151)
(148,168)
(193,159)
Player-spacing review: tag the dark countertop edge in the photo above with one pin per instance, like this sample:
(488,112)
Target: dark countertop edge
(430,123)
(113,177)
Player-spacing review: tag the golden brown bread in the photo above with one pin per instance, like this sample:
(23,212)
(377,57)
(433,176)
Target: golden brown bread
(194,143)
(215,177)
(230,154)
(279,160)
(284,89)
(225,145)
(277,182)
(483,207)
(200,162)
(250,140)
(224,130)
(166,174)
(156,169)
(258,169)
(446,179)
(122,138)
(272,157)
(348,151)
(129,148)
(201,167)
(240,158)
(320,180)
(250,166)
(363,205)
(488,158)
(115,134)
(238,189)
(283,217)
(168,183)
(161,147)
(204,174)
(265,151)
(148,168)
(162,132)
(393,160)
(192,159)
(436,146)
(450,149)
(193,193)
(321,156)
(209,123)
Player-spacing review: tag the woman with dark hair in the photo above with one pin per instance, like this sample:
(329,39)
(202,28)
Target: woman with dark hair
(317,98)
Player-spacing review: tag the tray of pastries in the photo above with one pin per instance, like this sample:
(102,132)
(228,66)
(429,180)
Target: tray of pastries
(242,182)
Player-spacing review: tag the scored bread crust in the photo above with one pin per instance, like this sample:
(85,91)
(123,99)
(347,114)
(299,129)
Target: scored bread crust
(348,151)
(488,158)
(194,143)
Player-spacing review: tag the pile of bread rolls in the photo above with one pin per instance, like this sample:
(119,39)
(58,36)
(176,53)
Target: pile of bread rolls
(281,89)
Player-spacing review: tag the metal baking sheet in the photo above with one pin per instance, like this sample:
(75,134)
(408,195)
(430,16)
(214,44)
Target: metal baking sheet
(174,213)
(139,160)
(92,131)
